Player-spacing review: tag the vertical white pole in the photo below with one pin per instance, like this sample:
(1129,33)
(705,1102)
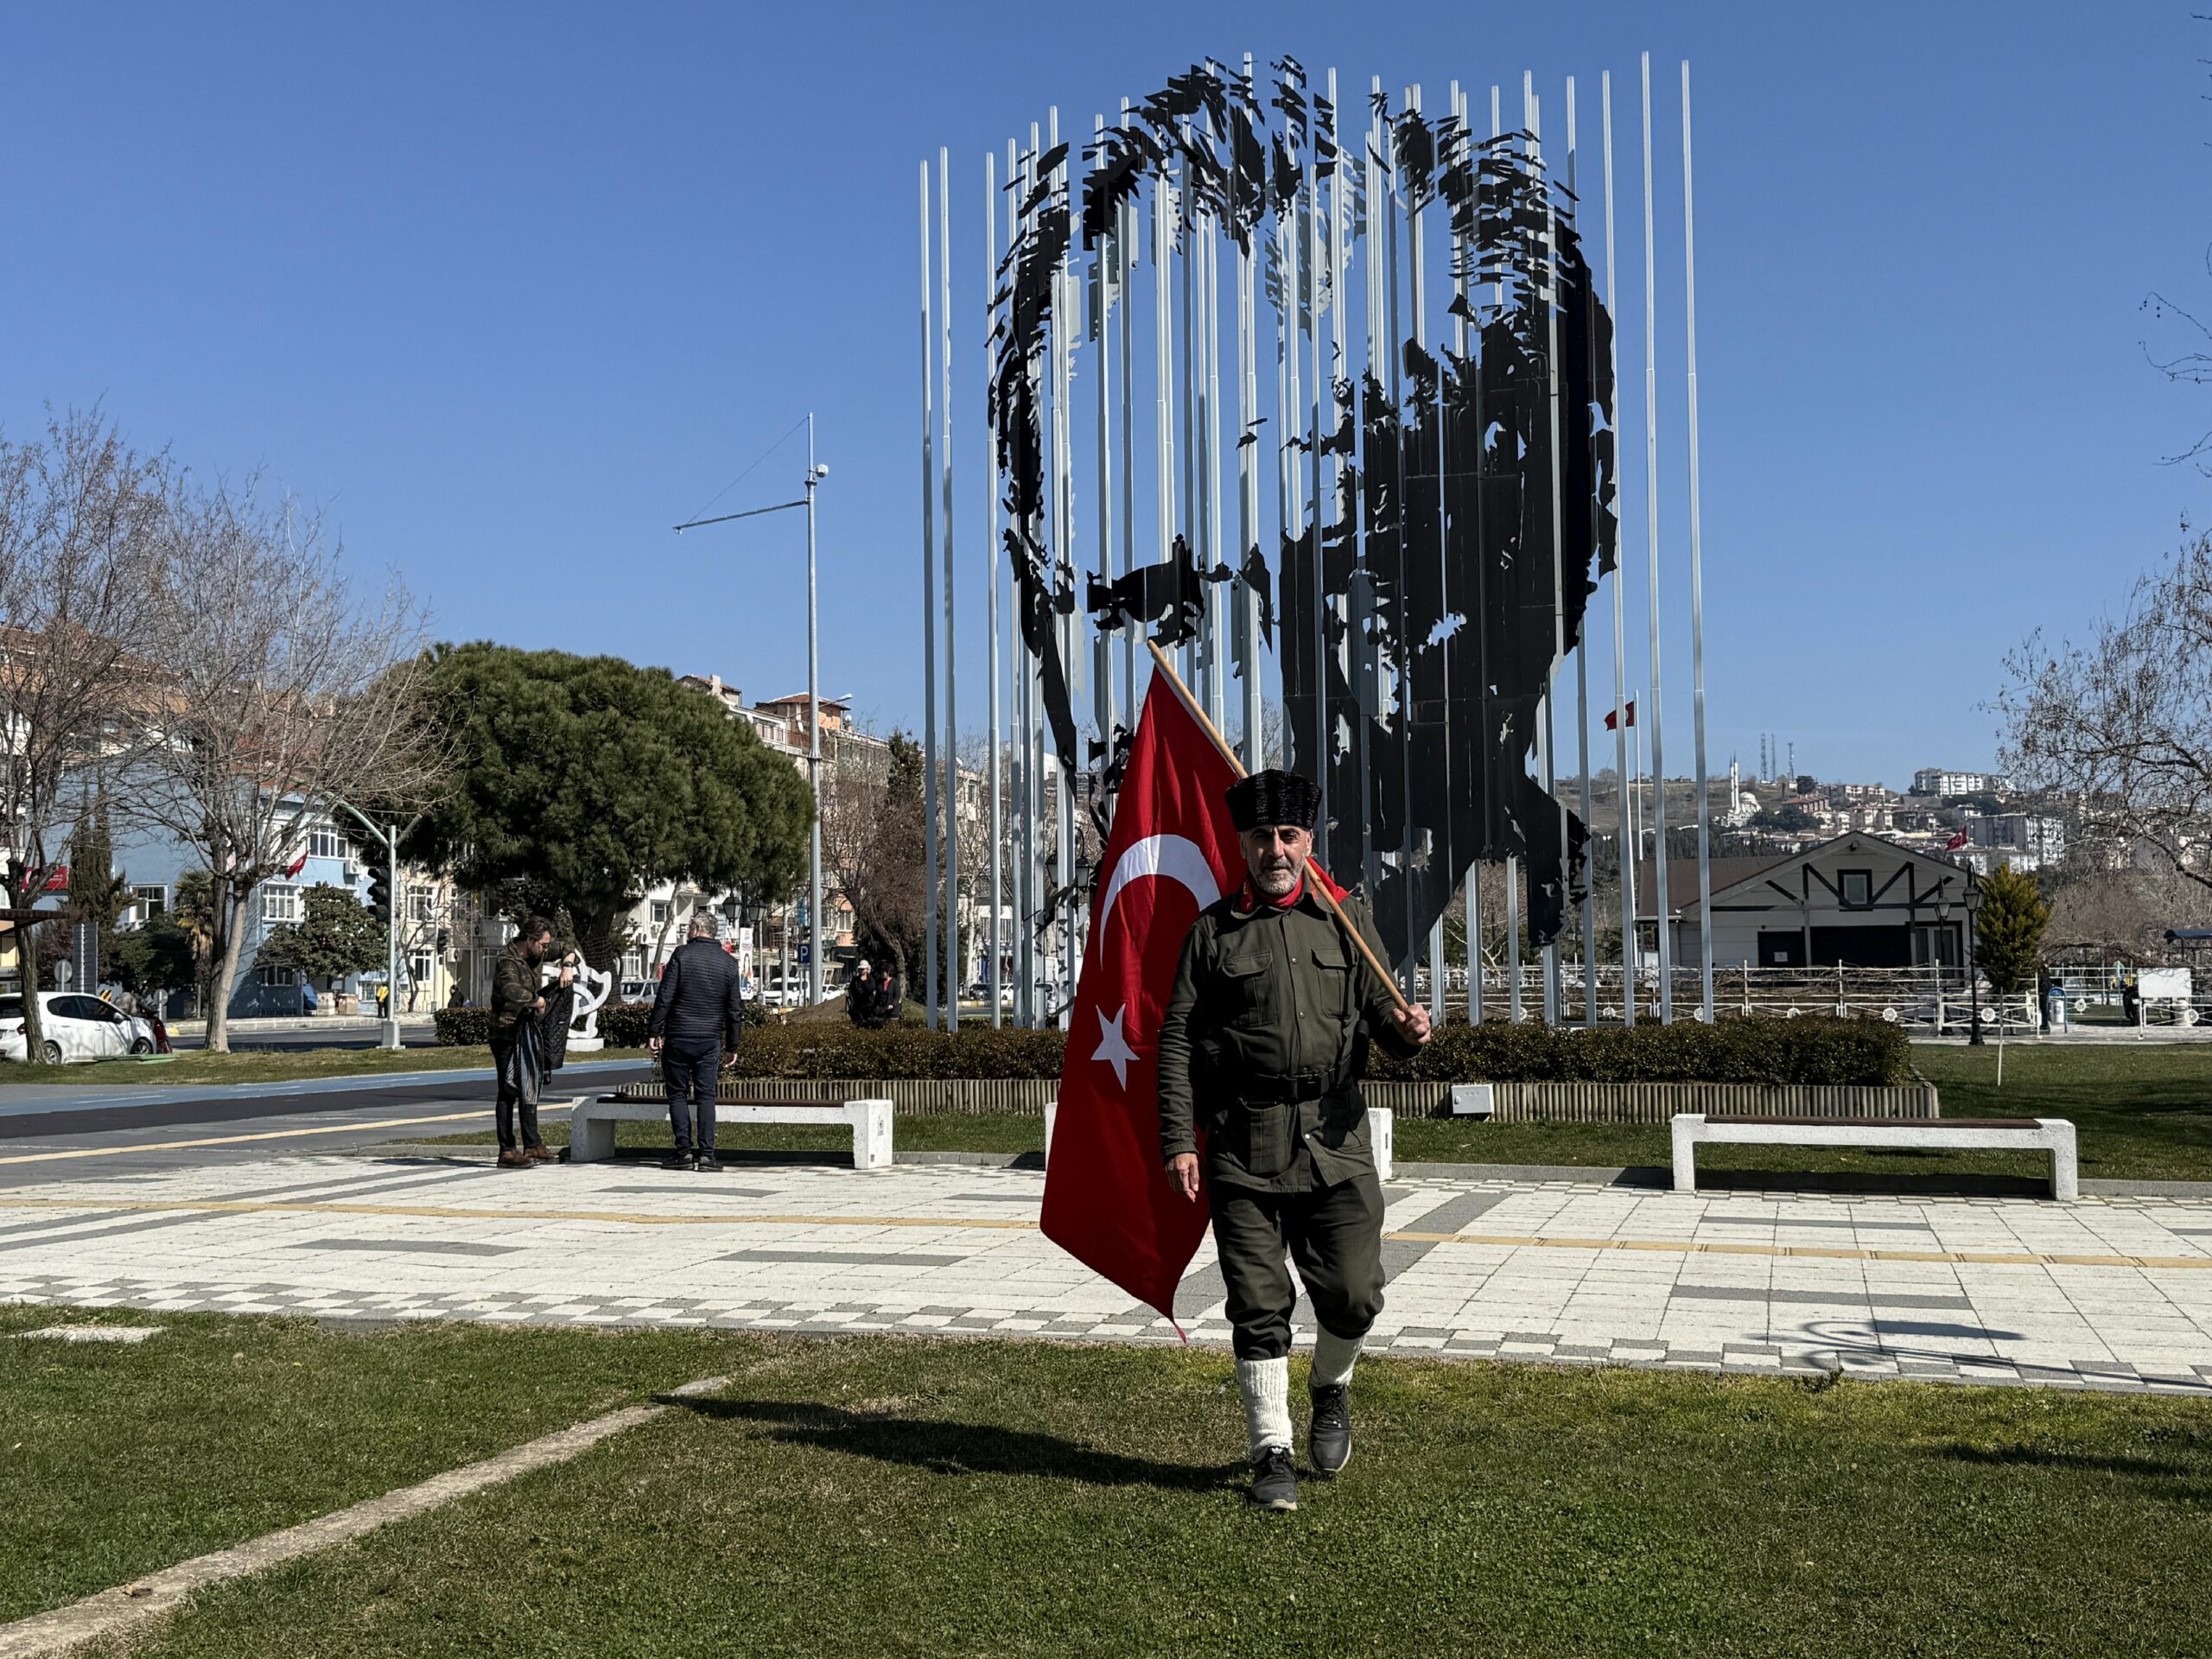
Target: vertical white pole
(813,739)
(1697,583)
(1471,898)
(1247,490)
(1548,296)
(1623,783)
(955,964)
(929,616)
(1651,534)
(1103,275)
(991,573)
(1125,252)
(1327,501)
(1580,418)
(1209,314)
(1512,863)
(1163,335)
(1064,472)
(1022,176)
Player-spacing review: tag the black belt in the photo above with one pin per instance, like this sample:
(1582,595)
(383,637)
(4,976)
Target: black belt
(1281,1091)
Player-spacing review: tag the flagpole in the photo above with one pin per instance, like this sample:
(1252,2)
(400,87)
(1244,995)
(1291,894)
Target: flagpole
(1697,586)
(1320,883)
(929,613)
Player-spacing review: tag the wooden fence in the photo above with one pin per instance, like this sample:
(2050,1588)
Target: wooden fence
(1516,1102)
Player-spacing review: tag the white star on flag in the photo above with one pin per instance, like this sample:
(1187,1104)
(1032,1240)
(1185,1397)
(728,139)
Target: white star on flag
(1112,1047)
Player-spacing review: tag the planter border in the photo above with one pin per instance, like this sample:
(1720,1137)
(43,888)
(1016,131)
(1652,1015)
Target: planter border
(1517,1103)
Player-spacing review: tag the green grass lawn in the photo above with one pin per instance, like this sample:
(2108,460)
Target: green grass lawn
(115,1460)
(885,1496)
(265,1066)
(2143,1114)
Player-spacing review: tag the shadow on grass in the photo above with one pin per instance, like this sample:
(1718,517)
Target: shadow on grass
(945,1448)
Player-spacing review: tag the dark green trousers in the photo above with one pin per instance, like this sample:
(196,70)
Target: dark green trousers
(1334,1234)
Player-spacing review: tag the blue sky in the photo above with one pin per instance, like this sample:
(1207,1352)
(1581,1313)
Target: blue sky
(513,289)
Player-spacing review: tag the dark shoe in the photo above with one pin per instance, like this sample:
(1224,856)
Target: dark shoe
(708,1164)
(514,1158)
(1328,1438)
(540,1154)
(676,1161)
(1274,1482)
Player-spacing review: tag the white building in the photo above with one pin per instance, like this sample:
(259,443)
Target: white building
(1857,901)
(2027,841)
(1935,780)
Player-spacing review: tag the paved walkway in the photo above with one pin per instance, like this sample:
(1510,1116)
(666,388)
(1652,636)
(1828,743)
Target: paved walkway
(2111,1293)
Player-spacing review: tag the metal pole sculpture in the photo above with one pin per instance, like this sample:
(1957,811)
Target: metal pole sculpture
(993,979)
(953,960)
(1443,502)
(1624,784)
(1697,582)
(1651,534)
(929,615)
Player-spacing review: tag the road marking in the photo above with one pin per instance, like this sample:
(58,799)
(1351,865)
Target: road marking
(148,1600)
(234,1140)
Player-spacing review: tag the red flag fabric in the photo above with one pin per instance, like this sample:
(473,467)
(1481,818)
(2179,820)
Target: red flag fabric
(1955,842)
(1613,718)
(1171,851)
(296,865)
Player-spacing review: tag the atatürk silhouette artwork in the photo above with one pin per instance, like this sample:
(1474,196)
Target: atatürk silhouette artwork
(1445,479)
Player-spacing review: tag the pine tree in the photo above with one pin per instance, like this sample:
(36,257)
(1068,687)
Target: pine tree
(2008,930)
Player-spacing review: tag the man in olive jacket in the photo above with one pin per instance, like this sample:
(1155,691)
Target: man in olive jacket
(518,999)
(1261,1046)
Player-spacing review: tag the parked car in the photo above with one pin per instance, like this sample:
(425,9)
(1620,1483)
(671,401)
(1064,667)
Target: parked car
(636,990)
(77,1026)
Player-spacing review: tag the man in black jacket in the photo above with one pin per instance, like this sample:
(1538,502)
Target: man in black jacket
(698,1015)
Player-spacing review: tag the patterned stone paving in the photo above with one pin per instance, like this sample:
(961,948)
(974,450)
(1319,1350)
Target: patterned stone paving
(2109,1294)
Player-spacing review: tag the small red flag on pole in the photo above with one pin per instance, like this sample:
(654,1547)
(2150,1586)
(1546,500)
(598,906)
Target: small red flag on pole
(1614,720)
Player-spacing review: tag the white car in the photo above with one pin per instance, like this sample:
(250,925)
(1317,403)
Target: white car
(77,1027)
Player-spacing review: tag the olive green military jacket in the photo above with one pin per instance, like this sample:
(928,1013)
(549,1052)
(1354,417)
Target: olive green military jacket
(514,991)
(1263,1042)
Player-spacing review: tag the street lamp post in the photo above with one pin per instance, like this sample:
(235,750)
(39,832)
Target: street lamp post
(387,841)
(814,474)
(1974,962)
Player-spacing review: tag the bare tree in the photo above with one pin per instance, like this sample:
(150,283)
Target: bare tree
(287,693)
(2121,728)
(82,591)
(872,844)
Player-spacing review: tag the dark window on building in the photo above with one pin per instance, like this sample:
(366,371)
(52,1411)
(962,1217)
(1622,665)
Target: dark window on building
(1856,889)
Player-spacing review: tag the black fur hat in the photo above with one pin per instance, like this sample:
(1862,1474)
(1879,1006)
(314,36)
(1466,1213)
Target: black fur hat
(1271,798)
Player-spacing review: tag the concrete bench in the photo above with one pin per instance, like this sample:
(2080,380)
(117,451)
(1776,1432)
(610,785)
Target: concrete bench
(2051,1134)
(591,1124)
(1380,1127)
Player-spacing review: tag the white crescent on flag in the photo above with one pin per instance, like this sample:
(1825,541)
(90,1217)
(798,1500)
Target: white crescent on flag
(1176,857)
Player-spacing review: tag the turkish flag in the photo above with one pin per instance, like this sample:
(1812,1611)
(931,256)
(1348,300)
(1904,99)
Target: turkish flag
(1171,851)
(1614,720)
(1955,842)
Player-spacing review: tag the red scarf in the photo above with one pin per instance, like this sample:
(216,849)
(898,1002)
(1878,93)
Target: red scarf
(1251,899)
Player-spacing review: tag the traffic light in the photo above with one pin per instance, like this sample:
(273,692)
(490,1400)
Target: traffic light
(380,893)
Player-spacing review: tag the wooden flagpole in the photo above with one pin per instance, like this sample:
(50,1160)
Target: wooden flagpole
(1321,879)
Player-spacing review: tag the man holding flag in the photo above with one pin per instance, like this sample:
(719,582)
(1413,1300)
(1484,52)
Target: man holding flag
(1261,1046)
(1245,1017)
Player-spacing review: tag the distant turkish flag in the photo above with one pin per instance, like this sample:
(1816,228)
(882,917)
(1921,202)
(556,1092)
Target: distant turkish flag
(295,866)
(1955,842)
(1614,722)
(1173,851)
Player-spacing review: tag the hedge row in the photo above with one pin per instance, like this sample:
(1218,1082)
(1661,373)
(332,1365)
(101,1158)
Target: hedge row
(622,1024)
(1815,1050)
